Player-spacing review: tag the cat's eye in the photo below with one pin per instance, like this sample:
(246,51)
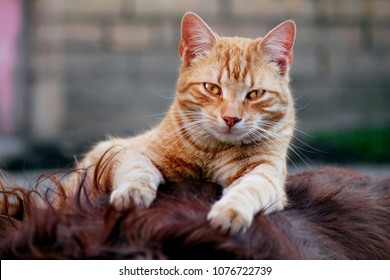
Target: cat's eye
(213,89)
(255,94)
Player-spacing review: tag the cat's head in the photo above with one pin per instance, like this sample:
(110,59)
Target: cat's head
(235,89)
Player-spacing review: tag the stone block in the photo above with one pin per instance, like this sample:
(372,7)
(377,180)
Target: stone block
(306,63)
(381,37)
(47,66)
(59,9)
(170,7)
(163,63)
(341,10)
(48,38)
(97,8)
(166,35)
(337,37)
(83,33)
(271,9)
(46,8)
(47,110)
(56,37)
(127,37)
(357,64)
(381,10)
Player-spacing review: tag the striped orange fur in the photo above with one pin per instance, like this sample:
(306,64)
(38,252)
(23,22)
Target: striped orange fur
(231,123)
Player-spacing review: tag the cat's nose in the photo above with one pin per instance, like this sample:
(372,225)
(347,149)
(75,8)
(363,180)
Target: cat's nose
(230,121)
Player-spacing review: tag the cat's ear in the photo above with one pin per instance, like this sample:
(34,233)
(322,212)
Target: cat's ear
(196,37)
(278,44)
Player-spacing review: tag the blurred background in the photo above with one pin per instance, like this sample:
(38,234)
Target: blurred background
(74,71)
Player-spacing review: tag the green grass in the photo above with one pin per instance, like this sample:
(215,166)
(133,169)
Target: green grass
(366,144)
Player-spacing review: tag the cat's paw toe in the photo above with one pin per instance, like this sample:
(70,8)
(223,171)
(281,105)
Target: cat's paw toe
(228,219)
(122,197)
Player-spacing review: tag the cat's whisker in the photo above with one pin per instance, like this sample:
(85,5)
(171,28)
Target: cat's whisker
(154,115)
(177,128)
(188,135)
(300,157)
(175,132)
(305,106)
(303,132)
(268,138)
(173,112)
(296,151)
(166,97)
(197,134)
(307,145)
(188,129)
(254,136)
(299,140)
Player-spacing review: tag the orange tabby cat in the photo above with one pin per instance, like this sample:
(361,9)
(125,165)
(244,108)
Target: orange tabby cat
(230,123)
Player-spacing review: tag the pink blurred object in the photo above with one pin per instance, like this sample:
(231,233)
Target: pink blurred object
(10,21)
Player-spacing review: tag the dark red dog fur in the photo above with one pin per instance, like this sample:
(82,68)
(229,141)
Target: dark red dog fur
(332,214)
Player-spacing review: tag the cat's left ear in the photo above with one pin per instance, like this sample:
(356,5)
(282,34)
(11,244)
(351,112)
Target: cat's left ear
(278,44)
(197,38)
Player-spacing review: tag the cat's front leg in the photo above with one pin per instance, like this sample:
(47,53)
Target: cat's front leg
(260,189)
(136,179)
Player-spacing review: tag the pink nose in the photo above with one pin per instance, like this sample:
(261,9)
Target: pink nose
(231,121)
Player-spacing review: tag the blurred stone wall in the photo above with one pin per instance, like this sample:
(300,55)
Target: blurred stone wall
(105,66)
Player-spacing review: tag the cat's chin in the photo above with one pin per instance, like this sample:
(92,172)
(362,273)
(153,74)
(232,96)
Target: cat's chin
(231,137)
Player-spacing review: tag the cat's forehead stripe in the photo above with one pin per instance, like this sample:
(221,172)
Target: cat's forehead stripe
(248,59)
(236,61)
(227,62)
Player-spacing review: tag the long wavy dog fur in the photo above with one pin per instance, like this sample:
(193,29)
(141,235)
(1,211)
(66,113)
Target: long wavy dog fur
(332,214)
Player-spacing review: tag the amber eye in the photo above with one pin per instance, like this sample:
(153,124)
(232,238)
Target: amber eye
(255,94)
(213,89)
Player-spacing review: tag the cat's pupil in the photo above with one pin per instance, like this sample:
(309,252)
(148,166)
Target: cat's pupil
(254,94)
(214,89)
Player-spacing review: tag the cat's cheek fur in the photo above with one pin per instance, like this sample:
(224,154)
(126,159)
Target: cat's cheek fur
(136,180)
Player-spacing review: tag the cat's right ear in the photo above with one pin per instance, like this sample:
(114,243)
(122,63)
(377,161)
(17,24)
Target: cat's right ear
(197,38)
(278,44)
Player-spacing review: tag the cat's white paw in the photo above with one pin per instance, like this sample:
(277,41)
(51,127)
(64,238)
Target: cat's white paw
(228,218)
(140,194)
(276,206)
(136,180)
